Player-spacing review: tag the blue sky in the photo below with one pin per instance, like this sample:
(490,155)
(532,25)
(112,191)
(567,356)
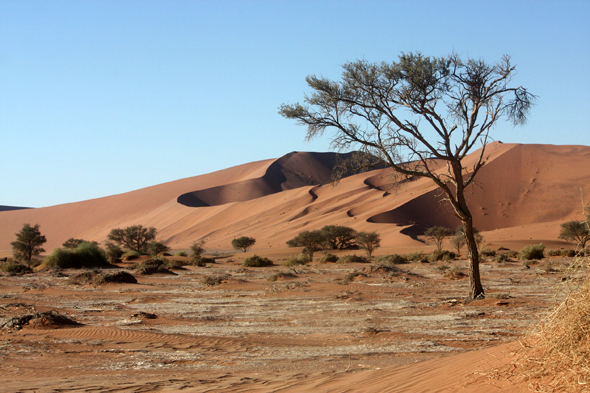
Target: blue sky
(104,97)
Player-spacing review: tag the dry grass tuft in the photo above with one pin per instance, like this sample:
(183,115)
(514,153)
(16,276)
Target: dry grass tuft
(555,356)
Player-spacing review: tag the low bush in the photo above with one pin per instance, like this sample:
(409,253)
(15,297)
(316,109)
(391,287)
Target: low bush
(256,261)
(533,252)
(180,254)
(390,260)
(487,252)
(153,265)
(294,260)
(115,277)
(15,268)
(554,253)
(176,264)
(512,254)
(328,258)
(441,255)
(568,253)
(200,261)
(214,280)
(415,256)
(86,255)
(454,273)
(279,276)
(346,259)
(130,255)
(501,258)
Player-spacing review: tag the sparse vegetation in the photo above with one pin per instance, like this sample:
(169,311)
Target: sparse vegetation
(130,255)
(533,252)
(328,257)
(243,243)
(487,252)
(14,268)
(415,256)
(390,260)
(368,241)
(257,261)
(180,254)
(28,243)
(454,273)
(294,260)
(280,275)
(441,255)
(214,279)
(346,259)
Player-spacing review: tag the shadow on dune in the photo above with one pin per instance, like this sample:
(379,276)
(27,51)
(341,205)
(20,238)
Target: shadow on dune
(291,171)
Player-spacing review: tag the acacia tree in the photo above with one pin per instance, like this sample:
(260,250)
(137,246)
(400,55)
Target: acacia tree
(438,235)
(369,241)
(243,243)
(575,231)
(416,114)
(339,237)
(312,241)
(134,237)
(28,243)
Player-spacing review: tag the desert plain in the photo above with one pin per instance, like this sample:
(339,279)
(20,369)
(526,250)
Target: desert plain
(323,327)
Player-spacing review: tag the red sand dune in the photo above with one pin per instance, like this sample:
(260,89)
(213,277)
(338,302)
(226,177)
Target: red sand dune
(522,195)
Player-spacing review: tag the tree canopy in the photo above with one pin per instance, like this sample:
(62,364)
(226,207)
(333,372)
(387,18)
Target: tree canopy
(418,113)
(28,243)
(369,241)
(243,243)
(575,232)
(438,235)
(134,237)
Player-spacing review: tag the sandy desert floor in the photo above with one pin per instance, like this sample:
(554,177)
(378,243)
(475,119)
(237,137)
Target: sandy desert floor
(312,329)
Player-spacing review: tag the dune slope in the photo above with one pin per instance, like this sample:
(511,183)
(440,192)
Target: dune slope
(521,187)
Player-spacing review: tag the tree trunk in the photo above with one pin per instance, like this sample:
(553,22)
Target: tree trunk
(475,287)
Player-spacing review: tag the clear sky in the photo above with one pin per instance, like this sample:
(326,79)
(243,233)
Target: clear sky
(103,97)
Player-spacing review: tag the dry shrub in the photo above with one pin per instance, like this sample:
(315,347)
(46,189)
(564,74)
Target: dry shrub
(555,356)
(454,273)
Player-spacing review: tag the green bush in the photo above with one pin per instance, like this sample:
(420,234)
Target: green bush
(153,265)
(294,260)
(329,257)
(501,258)
(256,261)
(130,255)
(533,252)
(389,260)
(14,268)
(176,264)
(441,255)
(197,260)
(346,259)
(554,253)
(512,254)
(415,256)
(86,255)
(487,252)
(180,254)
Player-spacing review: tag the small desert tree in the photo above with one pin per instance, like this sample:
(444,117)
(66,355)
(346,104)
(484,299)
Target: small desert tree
(243,243)
(155,248)
(438,235)
(134,237)
(339,237)
(575,232)
(418,115)
(458,242)
(368,241)
(28,243)
(197,249)
(312,241)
